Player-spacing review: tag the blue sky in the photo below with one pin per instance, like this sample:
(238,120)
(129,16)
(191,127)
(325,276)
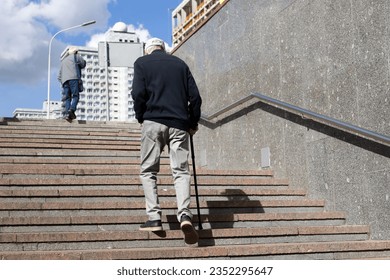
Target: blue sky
(27,27)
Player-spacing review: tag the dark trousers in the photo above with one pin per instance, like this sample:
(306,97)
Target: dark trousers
(70,95)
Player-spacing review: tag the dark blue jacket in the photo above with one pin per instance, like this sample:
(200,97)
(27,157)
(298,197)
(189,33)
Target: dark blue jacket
(165,91)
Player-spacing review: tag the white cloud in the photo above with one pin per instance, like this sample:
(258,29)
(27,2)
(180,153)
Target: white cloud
(65,13)
(95,39)
(21,35)
(27,26)
(142,33)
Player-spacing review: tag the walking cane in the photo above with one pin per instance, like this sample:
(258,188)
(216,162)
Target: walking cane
(195,182)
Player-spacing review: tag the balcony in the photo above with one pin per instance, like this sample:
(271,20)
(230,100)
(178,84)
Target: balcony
(187,17)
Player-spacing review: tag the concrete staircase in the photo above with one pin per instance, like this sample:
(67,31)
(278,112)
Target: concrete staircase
(72,191)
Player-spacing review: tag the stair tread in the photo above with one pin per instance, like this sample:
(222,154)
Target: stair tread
(134,180)
(77,205)
(177,234)
(226,251)
(73,220)
(131,193)
(63,168)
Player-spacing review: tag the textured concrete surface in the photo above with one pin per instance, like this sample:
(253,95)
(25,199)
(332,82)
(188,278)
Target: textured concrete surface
(331,57)
(47,212)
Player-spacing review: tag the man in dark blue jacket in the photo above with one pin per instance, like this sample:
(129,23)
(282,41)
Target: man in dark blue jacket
(168,105)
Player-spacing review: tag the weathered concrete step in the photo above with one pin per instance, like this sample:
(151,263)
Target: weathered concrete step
(10,132)
(72,169)
(133,180)
(75,161)
(16,121)
(164,179)
(134,239)
(167,211)
(46,142)
(61,168)
(63,138)
(75,125)
(80,152)
(76,205)
(177,234)
(73,146)
(168,220)
(61,123)
(128,193)
(308,250)
(117,194)
(78,132)
(81,129)
(112,223)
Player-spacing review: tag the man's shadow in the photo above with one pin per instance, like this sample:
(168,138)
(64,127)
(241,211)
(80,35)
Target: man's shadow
(218,214)
(222,214)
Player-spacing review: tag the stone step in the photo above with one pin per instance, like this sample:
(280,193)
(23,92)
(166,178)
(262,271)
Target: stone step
(57,142)
(266,218)
(134,180)
(124,205)
(132,168)
(64,138)
(71,146)
(130,193)
(174,238)
(61,129)
(6,123)
(75,161)
(50,133)
(79,152)
(104,222)
(60,124)
(285,251)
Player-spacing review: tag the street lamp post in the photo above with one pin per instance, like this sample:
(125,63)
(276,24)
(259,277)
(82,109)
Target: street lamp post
(48,67)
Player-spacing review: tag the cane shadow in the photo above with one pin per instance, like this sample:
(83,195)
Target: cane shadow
(227,214)
(161,233)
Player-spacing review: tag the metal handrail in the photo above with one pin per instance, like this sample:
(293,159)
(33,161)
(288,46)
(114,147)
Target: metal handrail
(305,114)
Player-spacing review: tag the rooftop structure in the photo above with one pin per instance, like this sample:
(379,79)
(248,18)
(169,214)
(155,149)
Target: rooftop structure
(27,113)
(189,15)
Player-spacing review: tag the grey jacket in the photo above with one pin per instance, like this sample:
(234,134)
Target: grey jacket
(68,68)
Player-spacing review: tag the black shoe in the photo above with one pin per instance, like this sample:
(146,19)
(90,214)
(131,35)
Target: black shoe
(72,115)
(151,226)
(190,234)
(67,117)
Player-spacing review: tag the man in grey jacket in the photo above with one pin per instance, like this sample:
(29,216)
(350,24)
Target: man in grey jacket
(68,76)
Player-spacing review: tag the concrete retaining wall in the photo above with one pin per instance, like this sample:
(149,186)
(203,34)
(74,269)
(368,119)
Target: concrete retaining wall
(328,56)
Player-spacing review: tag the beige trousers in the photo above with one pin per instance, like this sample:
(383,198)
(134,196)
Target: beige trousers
(155,137)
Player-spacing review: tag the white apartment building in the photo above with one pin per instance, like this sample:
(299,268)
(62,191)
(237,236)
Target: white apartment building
(107,83)
(25,113)
(107,79)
